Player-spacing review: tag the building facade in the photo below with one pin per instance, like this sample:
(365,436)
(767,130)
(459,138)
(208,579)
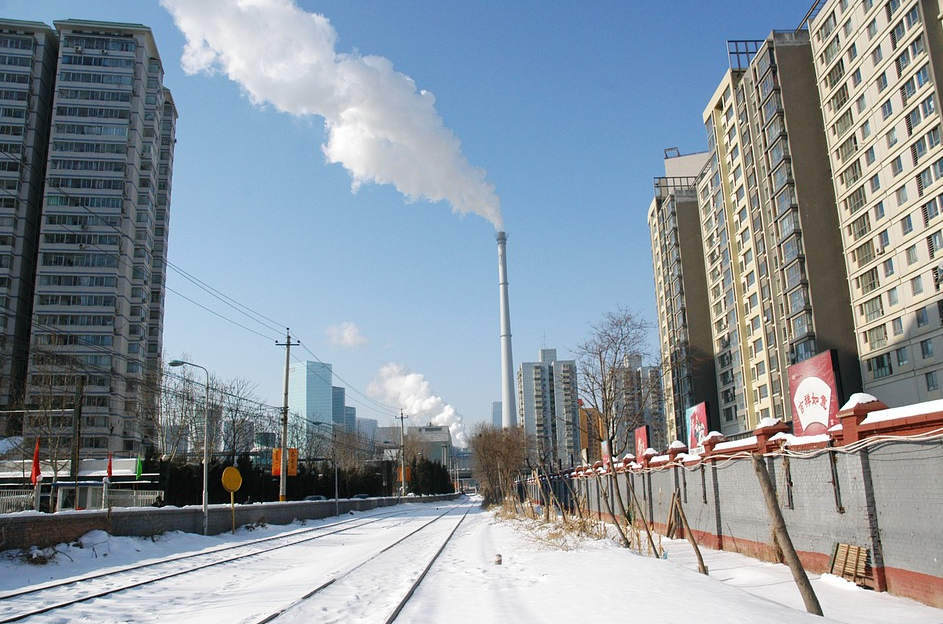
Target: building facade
(878,66)
(684,328)
(547,396)
(776,282)
(90,220)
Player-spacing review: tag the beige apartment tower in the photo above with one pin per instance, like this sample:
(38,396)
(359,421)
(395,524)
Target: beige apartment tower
(878,67)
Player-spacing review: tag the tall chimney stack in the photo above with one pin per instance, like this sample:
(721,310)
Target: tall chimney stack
(508,401)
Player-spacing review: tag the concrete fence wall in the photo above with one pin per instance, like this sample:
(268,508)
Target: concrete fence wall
(874,483)
(26,529)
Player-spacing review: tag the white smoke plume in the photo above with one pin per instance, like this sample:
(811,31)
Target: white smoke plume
(380,127)
(397,385)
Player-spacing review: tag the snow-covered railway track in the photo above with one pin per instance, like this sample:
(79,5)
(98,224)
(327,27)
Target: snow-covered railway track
(426,543)
(55,596)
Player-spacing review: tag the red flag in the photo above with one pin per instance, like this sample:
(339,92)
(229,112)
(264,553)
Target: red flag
(109,465)
(35,475)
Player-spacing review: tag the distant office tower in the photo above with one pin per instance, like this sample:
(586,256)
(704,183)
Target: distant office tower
(878,66)
(338,401)
(87,135)
(684,325)
(310,401)
(496,414)
(350,419)
(775,273)
(547,391)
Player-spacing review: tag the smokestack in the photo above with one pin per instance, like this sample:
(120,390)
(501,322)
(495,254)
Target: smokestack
(508,401)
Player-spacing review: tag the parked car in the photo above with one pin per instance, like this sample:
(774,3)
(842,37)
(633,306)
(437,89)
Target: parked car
(316,497)
(360,496)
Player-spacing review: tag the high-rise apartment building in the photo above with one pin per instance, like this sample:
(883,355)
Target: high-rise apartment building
(878,65)
(684,328)
(547,395)
(88,133)
(27,80)
(775,275)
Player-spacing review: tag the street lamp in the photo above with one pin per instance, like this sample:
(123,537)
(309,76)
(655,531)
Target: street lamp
(206,463)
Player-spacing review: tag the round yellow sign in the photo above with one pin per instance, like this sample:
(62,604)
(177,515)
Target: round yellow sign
(232,480)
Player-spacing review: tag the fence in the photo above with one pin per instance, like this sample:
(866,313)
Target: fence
(12,501)
(870,487)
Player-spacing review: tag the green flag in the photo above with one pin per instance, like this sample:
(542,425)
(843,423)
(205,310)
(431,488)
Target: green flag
(140,466)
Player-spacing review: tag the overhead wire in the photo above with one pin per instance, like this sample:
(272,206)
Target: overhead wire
(365,400)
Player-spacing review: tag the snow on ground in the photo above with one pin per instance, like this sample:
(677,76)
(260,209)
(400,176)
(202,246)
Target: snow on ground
(537,580)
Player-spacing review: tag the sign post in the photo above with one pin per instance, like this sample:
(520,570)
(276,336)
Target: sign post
(232,481)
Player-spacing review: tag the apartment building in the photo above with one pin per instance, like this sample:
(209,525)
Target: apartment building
(775,275)
(547,395)
(92,214)
(28,54)
(878,67)
(684,329)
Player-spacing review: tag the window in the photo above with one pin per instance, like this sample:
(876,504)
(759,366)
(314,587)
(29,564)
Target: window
(876,337)
(916,285)
(897,165)
(892,298)
(879,211)
(901,195)
(887,109)
(891,137)
(872,309)
(872,28)
(876,57)
(869,156)
(911,253)
(932,383)
(921,317)
(875,183)
(880,366)
(888,267)
(926,348)
(901,355)
(897,325)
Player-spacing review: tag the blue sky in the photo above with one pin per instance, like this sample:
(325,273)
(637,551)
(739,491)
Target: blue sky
(565,108)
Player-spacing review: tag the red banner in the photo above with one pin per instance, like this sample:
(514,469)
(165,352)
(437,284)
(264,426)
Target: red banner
(813,389)
(697,425)
(641,441)
(35,476)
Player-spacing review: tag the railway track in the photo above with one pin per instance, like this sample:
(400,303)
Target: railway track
(60,595)
(426,546)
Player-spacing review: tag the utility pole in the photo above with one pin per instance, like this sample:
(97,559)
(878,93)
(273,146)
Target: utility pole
(402,454)
(77,436)
(283,479)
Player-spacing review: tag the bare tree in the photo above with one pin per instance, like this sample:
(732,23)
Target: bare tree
(499,456)
(240,417)
(609,385)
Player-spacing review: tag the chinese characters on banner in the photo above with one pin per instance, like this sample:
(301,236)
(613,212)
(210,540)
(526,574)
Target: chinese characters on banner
(813,390)
(277,462)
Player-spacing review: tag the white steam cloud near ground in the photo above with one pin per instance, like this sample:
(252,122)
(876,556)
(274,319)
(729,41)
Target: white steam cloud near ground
(397,385)
(381,128)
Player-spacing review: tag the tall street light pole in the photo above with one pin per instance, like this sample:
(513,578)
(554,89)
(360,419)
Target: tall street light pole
(206,463)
